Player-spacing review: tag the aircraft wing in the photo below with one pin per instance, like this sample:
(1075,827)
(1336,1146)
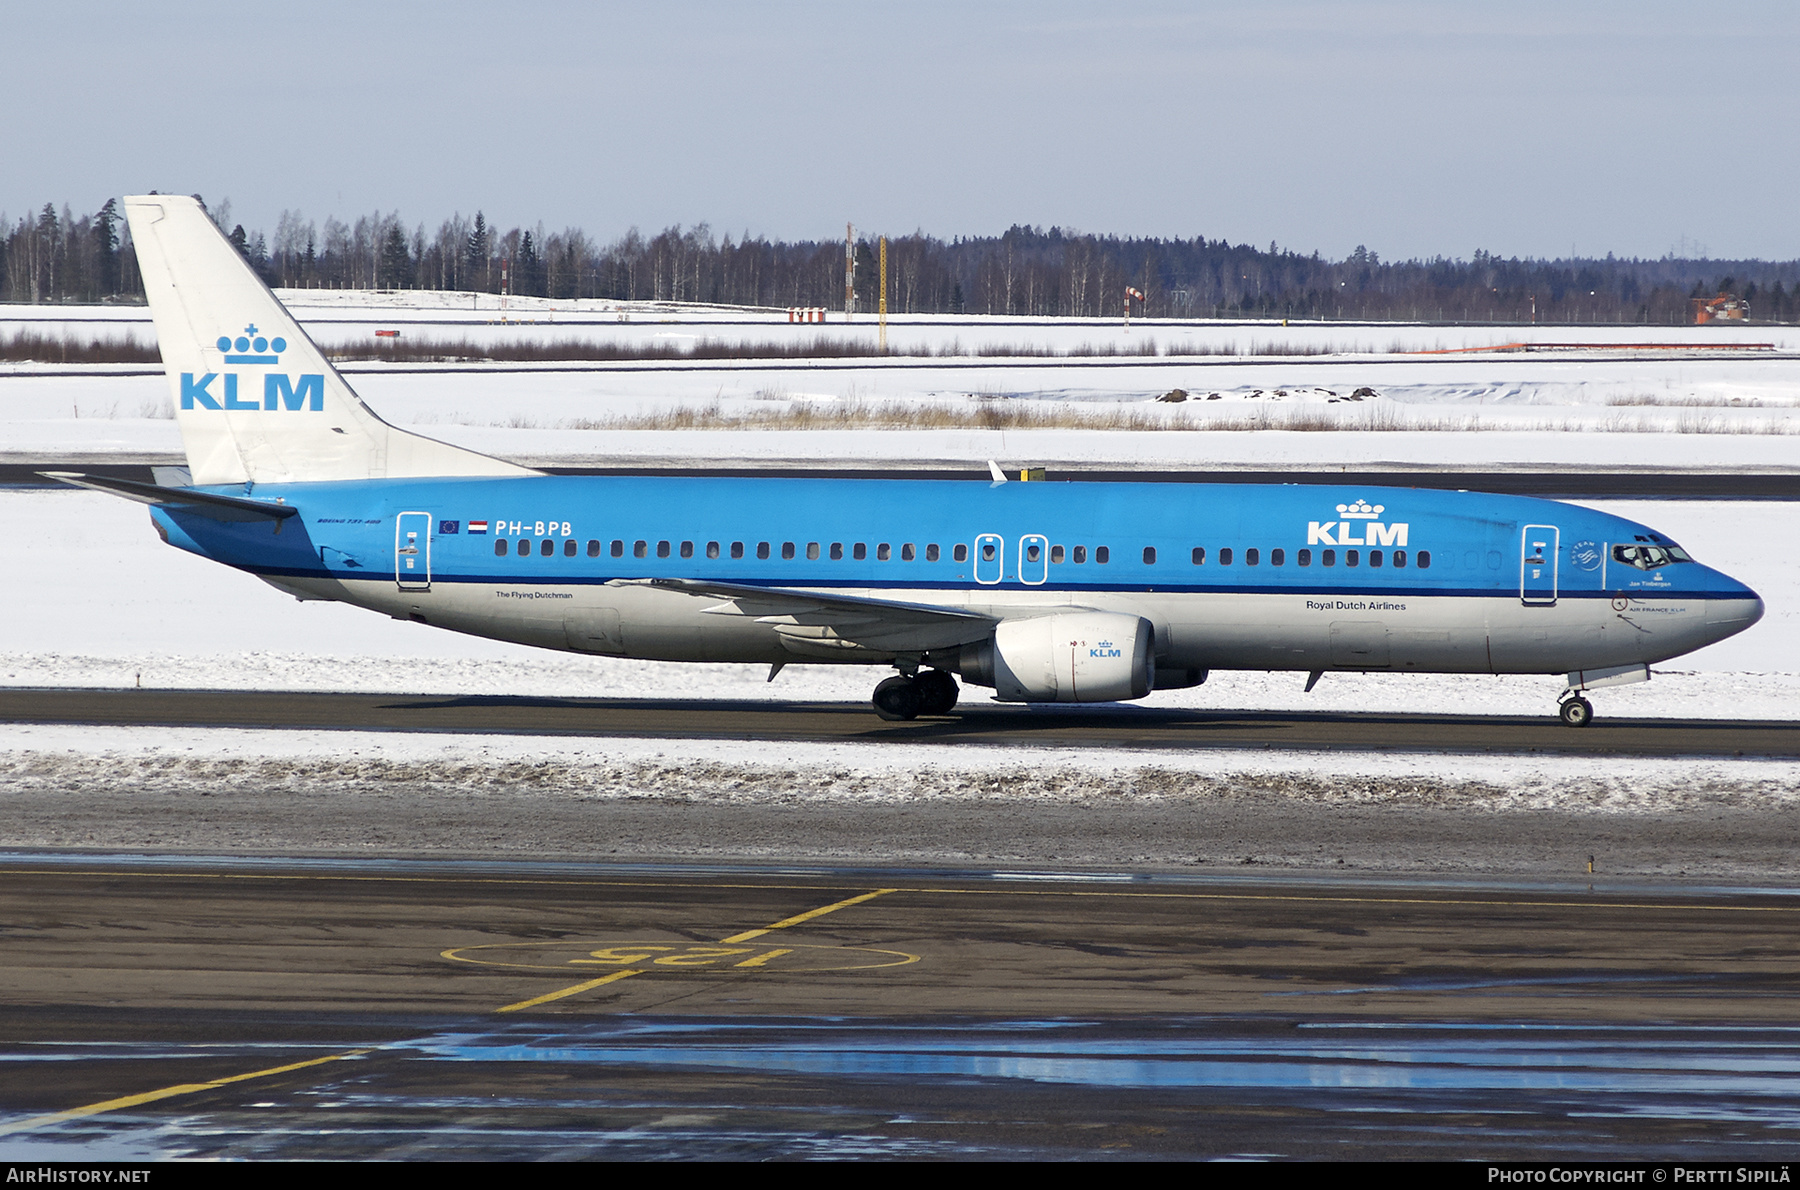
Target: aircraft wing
(811,622)
(219,508)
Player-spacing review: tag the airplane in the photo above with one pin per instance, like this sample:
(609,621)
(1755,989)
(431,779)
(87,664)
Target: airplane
(1042,592)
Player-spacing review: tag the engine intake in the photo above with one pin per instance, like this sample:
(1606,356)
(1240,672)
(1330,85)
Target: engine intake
(1073,657)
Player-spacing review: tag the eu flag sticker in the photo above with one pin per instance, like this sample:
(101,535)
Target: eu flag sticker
(446,527)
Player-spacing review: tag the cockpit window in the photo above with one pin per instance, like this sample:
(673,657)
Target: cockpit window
(1649,557)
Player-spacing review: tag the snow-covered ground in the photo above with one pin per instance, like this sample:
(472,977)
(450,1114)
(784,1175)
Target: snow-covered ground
(95,600)
(1240,376)
(787,772)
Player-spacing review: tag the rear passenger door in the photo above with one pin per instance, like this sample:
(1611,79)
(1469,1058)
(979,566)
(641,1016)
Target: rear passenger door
(412,551)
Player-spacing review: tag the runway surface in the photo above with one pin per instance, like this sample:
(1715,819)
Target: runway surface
(198,1008)
(1110,726)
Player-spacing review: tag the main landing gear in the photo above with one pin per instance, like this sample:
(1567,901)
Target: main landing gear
(930,692)
(1575,710)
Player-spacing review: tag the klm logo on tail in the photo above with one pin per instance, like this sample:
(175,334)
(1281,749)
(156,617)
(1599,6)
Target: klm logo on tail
(280,391)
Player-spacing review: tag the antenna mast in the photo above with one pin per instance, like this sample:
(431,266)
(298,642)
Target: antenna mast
(849,271)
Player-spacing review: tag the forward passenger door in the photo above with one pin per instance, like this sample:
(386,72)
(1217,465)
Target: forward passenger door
(1537,565)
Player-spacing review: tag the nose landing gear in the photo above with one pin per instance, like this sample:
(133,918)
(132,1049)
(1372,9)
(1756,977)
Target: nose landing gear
(1575,710)
(932,692)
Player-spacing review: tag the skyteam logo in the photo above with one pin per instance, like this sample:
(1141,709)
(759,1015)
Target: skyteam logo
(1356,518)
(279,390)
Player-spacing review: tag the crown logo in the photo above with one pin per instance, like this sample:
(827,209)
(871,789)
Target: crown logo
(1362,510)
(251,348)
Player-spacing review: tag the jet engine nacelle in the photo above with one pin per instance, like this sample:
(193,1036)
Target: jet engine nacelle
(1074,657)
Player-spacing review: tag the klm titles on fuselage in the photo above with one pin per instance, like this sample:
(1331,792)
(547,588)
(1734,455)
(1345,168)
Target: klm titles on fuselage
(279,390)
(1360,515)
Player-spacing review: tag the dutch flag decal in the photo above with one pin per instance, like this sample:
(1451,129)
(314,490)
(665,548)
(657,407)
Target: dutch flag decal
(478,526)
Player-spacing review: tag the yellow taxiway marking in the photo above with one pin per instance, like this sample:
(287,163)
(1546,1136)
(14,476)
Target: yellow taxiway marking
(783,924)
(795,920)
(615,977)
(125,1101)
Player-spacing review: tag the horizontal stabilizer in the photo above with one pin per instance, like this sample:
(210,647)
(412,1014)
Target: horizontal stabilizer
(219,508)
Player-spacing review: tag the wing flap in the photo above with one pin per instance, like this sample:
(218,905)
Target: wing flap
(820,623)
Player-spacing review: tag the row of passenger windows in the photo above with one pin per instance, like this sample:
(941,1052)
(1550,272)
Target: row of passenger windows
(884,552)
(641,549)
(1278,557)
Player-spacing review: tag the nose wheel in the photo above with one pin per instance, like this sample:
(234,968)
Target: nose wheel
(1576,711)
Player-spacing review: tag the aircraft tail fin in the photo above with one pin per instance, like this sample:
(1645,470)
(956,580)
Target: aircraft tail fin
(256,400)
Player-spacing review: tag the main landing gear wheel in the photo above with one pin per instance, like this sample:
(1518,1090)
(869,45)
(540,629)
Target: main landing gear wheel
(937,692)
(897,698)
(1576,712)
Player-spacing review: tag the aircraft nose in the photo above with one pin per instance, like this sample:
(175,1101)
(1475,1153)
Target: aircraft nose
(1734,609)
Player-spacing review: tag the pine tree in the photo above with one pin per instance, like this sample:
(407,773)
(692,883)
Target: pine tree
(478,251)
(396,260)
(106,248)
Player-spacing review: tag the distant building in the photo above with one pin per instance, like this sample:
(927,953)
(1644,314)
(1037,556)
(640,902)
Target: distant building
(1725,307)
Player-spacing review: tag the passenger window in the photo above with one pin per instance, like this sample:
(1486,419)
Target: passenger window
(1199,555)
(687,549)
(593,548)
(548,548)
(961,553)
(931,552)
(812,551)
(1277,557)
(859,551)
(1225,556)
(1056,554)
(618,548)
(662,549)
(1080,554)
(737,549)
(1304,557)
(1399,558)
(1102,555)
(500,544)
(1424,559)
(1328,557)
(882,553)
(1350,557)
(569,548)
(1375,557)
(907,553)
(640,549)
(762,550)
(524,546)
(1252,556)
(1149,555)
(787,551)
(837,551)
(712,549)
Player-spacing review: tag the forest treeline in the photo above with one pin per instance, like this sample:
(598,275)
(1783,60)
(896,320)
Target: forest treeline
(57,256)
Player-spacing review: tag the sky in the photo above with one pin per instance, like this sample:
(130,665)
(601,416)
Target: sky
(1525,128)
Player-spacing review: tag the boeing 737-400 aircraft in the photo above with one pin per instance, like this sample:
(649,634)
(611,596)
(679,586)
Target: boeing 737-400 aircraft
(1045,592)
